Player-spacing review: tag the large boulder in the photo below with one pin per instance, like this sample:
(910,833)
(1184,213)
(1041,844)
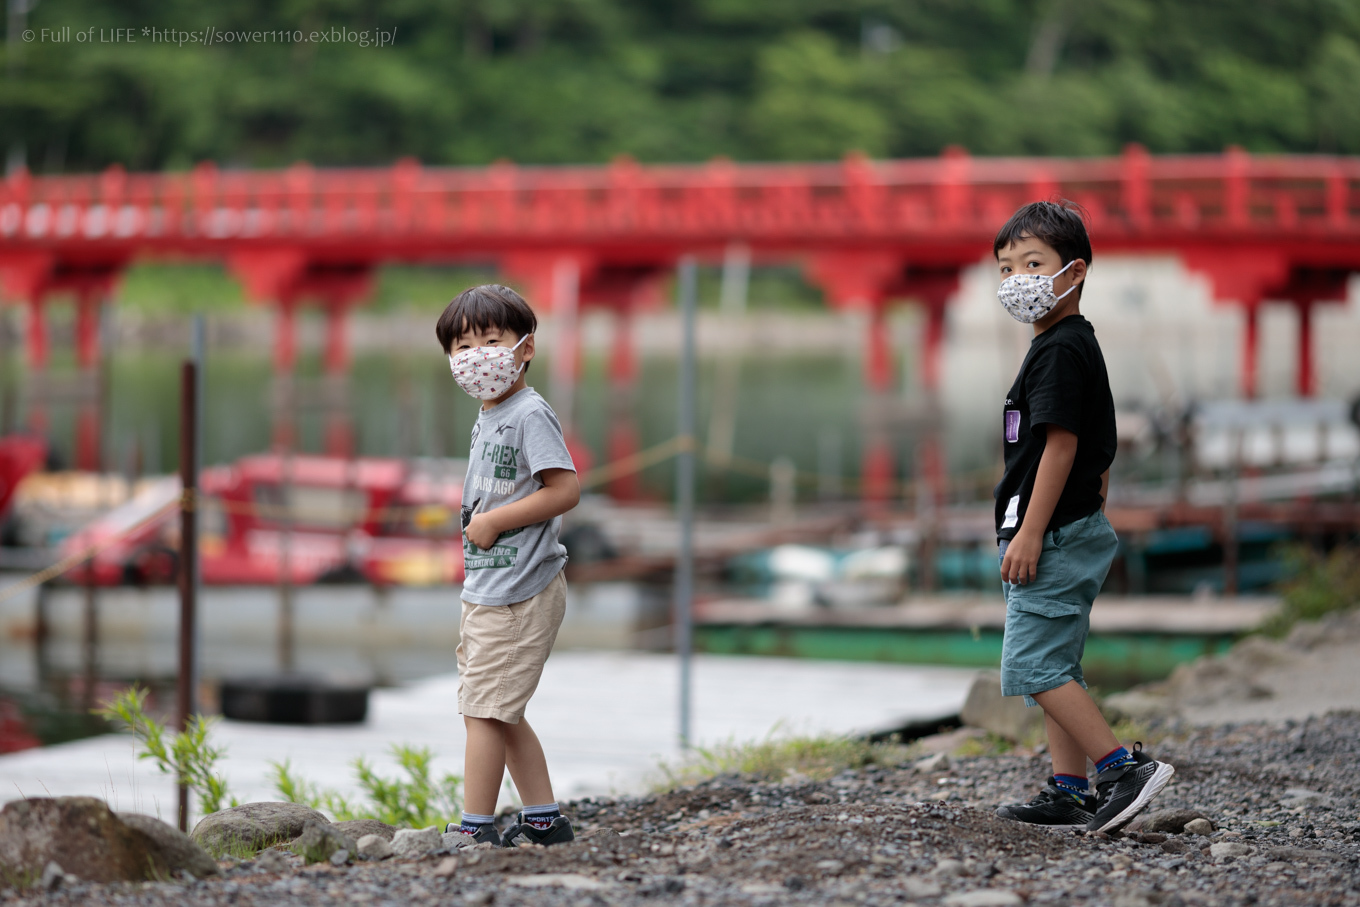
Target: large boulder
(253,826)
(359,828)
(87,840)
(1005,716)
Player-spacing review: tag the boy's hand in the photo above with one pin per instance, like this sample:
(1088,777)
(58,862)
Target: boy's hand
(1021,563)
(483,529)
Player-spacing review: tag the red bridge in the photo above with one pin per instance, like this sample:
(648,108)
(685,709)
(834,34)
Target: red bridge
(866,232)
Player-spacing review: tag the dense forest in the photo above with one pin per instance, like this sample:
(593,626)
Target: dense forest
(546,81)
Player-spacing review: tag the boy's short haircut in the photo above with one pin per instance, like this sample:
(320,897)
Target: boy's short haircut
(1058,224)
(488,307)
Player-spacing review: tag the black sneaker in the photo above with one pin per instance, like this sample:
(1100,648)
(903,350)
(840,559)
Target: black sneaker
(522,832)
(1052,806)
(1124,792)
(485,834)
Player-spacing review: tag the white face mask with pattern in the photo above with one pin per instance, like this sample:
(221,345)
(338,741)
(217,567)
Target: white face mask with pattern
(487,372)
(1029,297)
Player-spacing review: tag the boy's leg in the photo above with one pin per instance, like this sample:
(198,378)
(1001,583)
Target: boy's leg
(1082,730)
(528,766)
(483,765)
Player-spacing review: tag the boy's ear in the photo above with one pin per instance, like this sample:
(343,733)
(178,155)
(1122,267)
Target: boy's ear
(1078,271)
(528,349)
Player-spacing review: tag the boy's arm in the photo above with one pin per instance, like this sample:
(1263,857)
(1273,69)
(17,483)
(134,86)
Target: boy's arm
(561,491)
(1022,555)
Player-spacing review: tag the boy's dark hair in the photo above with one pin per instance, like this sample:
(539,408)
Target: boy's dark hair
(481,309)
(1060,225)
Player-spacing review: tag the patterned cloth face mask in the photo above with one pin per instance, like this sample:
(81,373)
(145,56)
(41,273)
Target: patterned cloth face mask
(1029,297)
(486,372)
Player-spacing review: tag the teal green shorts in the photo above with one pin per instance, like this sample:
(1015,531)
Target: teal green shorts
(1047,620)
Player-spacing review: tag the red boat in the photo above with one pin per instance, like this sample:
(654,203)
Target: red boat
(311,518)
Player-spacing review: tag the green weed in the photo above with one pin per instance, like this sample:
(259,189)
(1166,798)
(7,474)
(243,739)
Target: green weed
(415,801)
(1319,585)
(187,754)
(18,879)
(988,745)
(771,759)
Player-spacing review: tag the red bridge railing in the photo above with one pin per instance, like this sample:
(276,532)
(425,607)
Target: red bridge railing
(1233,196)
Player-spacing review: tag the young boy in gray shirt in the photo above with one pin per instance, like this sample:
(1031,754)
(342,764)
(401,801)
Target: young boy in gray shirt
(520,481)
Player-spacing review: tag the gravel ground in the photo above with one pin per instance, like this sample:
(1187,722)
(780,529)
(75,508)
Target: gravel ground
(1287,794)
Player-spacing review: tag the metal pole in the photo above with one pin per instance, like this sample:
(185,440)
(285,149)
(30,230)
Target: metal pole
(722,426)
(198,346)
(188,557)
(684,493)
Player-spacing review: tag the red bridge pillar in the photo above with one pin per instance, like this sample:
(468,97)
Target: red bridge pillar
(1250,276)
(568,282)
(1306,289)
(1246,277)
(34,277)
(285,278)
(861,281)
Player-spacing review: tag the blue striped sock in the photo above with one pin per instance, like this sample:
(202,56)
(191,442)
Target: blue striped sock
(1114,759)
(1076,785)
(542,815)
(473,821)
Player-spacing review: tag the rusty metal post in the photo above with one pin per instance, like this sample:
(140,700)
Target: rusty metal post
(91,634)
(188,561)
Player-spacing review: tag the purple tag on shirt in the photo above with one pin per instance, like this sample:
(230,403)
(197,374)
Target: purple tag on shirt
(1012,425)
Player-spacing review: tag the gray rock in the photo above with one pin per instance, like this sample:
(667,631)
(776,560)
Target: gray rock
(319,841)
(253,826)
(986,897)
(181,854)
(931,764)
(453,840)
(272,861)
(918,887)
(83,837)
(374,847)
(947,867)
(1005,716)
(1168,821)
(1199,827)
(1301,796)
(1138,705)
(340,857)
(52,877)
(357,828)
(1134,899)
(1302,855)
(1229,849)
(416,842)
(478,898)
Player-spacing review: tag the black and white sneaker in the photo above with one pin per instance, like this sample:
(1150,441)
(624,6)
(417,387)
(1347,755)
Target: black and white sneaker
(1124,792)
(1052,806)
(485,834)
(522,832)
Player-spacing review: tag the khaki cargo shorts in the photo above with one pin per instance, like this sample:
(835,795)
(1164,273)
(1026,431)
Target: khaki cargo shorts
(501,651)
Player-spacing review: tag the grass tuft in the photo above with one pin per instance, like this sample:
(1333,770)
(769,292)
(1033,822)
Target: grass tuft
(1319,585)
(775,759)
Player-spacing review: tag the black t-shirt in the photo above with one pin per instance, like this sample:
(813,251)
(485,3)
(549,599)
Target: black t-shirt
(1061,382)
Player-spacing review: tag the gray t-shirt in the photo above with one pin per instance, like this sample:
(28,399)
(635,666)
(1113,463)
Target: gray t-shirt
(511,446)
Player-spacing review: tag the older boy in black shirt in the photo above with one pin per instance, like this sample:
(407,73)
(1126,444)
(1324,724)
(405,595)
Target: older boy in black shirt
(1055,544)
